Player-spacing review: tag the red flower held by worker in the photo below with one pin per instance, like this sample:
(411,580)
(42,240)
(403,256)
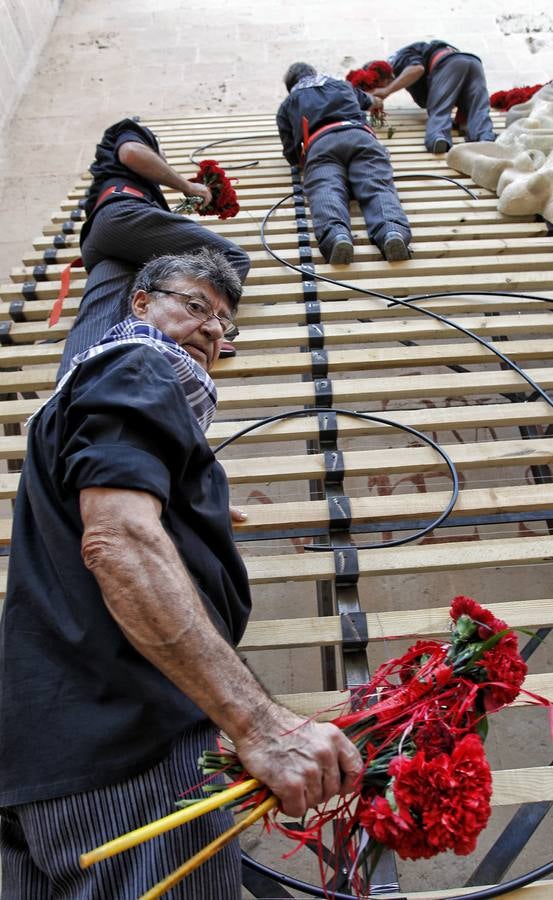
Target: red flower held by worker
(223,204)
(375,75)
(432,803)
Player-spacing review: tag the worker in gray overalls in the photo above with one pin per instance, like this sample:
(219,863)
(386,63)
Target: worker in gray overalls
(440,77)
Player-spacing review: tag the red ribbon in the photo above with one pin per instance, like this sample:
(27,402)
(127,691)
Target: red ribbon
(55,312)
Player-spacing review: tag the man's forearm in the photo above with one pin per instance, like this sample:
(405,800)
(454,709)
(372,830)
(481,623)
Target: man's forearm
(144,162)
(409,76)
(153,599)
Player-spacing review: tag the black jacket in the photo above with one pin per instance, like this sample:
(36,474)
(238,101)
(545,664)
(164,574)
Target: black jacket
(322,100)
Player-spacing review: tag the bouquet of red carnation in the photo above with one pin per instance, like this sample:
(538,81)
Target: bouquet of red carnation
(374,75)
(223,204)
(419,725)
(503,100)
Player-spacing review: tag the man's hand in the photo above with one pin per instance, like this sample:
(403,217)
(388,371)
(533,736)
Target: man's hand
(304,763)
(376,101)
(378,95)
(237,514)
(195,189)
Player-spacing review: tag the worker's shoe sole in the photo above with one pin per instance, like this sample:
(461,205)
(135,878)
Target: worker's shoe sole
(440,146)
(394,248)
(342,251)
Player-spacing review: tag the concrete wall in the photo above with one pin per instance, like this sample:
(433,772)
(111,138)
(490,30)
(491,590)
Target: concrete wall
(25,26)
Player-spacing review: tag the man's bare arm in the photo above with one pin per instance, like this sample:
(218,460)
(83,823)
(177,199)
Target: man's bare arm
(408,77)
(145,162)
(153,599)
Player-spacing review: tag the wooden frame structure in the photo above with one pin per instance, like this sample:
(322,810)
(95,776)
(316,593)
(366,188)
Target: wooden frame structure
(338,480)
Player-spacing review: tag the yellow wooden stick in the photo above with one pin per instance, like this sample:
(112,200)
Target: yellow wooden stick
(210,850)
(160,826)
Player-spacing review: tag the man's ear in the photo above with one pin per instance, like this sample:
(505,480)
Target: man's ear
(140,304)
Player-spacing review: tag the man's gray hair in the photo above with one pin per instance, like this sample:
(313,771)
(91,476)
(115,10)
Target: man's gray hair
(205,265)
(296,72)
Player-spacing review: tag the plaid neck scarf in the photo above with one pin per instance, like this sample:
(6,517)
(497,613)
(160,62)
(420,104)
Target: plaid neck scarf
(197,384)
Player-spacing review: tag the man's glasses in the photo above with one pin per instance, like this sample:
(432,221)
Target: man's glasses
(203,311)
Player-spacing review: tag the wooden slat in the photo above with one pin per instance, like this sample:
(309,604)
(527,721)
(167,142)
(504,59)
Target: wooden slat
(393,560)
(376,509)
(393,461)
(312,631)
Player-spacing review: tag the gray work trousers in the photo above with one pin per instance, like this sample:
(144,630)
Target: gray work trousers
(345,164)
(124,235)
(40,842)
(458,80)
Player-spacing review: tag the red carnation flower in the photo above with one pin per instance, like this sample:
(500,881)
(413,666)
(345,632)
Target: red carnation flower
(507,668)
(433,804)
(224,203)
(375,75)
(504,100)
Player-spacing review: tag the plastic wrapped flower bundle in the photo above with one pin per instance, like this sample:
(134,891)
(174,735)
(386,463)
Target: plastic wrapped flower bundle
(223,202)
(419,724)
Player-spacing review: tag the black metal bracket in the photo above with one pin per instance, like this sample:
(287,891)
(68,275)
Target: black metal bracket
(346,566)
(39,273)
(304,253)
(328,429)
(309,290)
(319,364)
(316,337)
(339,513)
(5,336)
(323,392)
(76,215)
(17,311)
(355,634)
(68,227)
(312,312)
(51,255)
(334,467)
(28,290)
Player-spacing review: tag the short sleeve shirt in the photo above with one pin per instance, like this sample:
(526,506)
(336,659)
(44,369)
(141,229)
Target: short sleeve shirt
(107,170)
(80,708)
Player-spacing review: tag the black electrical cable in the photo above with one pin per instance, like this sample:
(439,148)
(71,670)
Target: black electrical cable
(312,411)
(498,890)
(454,181)
(249,137)
(411,305)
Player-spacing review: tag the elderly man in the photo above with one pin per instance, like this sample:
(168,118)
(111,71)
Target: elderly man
(128,222)
(322,125)
(439,77)
(126,598)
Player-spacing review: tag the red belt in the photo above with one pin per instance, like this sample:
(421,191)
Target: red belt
(309,138)
(126,189)
(438,56)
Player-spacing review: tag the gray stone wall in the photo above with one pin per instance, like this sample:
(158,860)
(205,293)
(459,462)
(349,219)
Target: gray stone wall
(25,28)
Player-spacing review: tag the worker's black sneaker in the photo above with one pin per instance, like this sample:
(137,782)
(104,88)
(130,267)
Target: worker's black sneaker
(342,250)
(440,145)
(394,247)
